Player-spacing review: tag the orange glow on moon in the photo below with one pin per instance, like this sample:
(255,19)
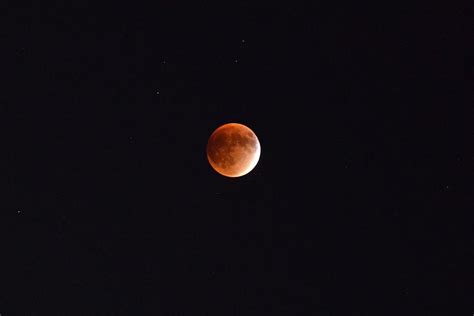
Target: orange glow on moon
(233,150)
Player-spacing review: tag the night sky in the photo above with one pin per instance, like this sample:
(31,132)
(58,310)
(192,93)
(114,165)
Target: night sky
(361,203)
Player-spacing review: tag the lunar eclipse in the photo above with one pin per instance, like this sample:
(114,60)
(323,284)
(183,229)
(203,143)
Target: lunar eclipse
(233,150)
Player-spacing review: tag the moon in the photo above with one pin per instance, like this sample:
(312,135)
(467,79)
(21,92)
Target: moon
(233,150)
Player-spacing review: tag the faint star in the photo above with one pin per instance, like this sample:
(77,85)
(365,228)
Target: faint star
(243,41)
(236,61)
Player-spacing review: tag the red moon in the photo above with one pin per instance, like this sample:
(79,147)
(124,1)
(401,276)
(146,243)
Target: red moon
(233,150)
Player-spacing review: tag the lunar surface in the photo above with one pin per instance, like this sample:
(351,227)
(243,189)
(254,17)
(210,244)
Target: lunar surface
(233,150)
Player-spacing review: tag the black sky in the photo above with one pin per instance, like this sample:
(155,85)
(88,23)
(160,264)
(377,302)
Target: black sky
(361,202)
